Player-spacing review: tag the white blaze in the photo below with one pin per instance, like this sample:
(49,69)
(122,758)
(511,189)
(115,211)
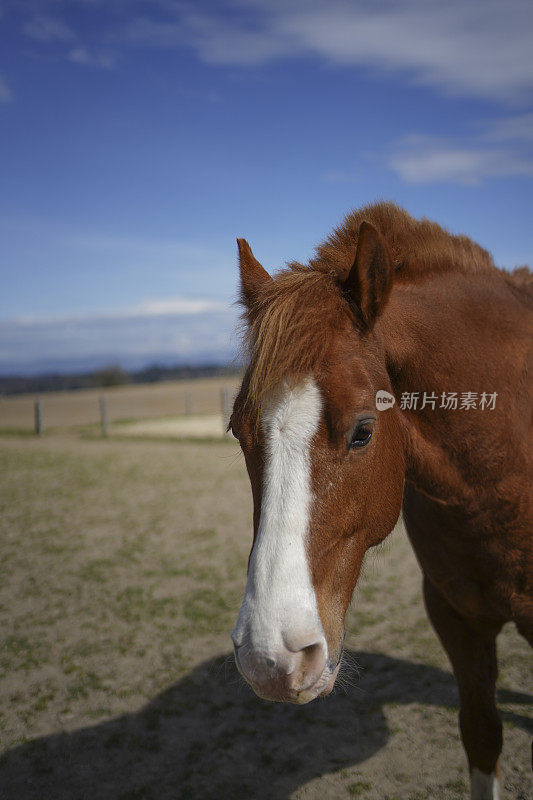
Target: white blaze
(279,606)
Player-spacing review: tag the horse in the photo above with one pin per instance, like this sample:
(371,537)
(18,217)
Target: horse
(392,372)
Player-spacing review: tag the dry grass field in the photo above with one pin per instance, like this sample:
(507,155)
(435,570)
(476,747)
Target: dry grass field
(123,565)
(136,401)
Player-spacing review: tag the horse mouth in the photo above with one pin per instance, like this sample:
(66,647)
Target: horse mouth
(281,694)
(331,683)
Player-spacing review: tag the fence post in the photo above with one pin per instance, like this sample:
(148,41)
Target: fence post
(224,403)
(38,417)
(103,416)
(188,401)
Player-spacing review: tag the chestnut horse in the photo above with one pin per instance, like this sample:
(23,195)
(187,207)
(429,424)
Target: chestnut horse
(401,307)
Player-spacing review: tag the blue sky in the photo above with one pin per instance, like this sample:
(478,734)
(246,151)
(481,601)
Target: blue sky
(138,139)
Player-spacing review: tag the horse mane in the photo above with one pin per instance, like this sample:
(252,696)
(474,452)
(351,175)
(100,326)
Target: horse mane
(522,278)
(417,247)
(287,328)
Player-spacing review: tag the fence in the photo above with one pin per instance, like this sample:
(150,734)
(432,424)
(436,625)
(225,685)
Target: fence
(104,407)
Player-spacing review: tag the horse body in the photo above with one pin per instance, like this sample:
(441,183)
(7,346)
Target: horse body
(418,312)
(470,519)
(468,500)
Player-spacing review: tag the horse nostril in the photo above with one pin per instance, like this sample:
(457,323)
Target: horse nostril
(313,651)
(270,662)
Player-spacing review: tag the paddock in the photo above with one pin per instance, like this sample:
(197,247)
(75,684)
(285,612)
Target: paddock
(124,563)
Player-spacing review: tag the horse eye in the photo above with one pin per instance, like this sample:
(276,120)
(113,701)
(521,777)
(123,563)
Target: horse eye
(361,435)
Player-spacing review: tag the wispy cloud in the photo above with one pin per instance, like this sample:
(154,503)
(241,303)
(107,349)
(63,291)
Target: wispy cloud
(501,149)
(424,160)
(169,306)
(496,148)
(48,29)
(480,48)
(176,329)
(215,40)
(103,59)
(518,128)
(54,32)
(6,95)
(176,305)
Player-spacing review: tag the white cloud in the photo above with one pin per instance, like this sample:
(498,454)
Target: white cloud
(103,59)
(175,329)
(81,269)
(50,31)
(424,160)
(215,41)
(515,128)
(6,95)
(176,305)
(169,306)
(47,29)
(481,47)
(501,149)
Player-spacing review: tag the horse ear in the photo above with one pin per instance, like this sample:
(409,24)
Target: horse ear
(370,278)
(253,275)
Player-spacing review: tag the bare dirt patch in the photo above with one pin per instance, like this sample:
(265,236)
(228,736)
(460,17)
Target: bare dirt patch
(123,565)
(193,426)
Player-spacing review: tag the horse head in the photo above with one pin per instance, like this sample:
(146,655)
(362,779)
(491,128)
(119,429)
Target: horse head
(326,465)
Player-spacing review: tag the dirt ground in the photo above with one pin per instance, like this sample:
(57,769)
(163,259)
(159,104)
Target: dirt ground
(123,566)
(192,426)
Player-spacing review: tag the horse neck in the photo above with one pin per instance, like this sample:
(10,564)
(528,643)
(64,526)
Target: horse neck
(459,333)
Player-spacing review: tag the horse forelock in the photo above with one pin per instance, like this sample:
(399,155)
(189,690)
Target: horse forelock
(287,330)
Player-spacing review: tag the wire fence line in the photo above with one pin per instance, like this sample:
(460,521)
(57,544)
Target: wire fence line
(107,407)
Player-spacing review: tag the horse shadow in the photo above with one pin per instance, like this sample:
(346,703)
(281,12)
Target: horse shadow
(208,736)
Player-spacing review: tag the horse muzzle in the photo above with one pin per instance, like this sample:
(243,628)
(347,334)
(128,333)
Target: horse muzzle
(288,676)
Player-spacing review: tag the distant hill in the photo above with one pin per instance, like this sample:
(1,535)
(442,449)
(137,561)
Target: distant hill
(111,375)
